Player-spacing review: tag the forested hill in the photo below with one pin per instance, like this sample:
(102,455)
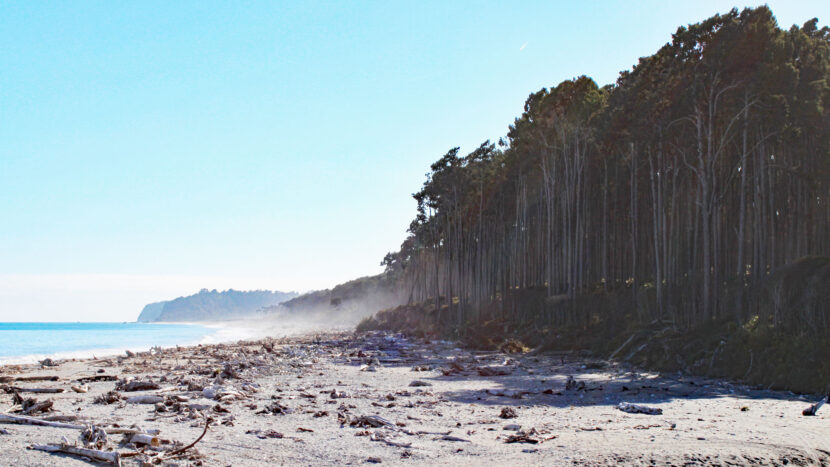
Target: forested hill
(674,196)
(212,305)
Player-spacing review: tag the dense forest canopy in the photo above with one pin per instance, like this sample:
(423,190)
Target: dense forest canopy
(684,185)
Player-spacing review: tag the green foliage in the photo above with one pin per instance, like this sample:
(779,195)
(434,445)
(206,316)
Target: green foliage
(673,206)
(642,182)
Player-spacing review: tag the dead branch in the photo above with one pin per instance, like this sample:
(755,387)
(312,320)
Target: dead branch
(181,450)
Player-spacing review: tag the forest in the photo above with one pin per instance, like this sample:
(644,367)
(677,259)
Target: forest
(693,190)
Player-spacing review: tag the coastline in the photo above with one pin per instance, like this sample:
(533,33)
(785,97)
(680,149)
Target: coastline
(223,332)
(339,398)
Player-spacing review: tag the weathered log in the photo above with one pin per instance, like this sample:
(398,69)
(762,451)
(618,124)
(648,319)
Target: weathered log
(453,438)
(36,390)
(23,420)
(61,418)
(144,438)
(145,399)
(96,378)
(634,408)
(111,457)
(36,378)
(810,411)
(139,386)
(624,345)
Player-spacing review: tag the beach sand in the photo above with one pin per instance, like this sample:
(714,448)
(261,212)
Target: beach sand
(340,399)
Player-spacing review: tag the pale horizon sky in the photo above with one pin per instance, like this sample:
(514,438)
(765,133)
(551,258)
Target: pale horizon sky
(151,149)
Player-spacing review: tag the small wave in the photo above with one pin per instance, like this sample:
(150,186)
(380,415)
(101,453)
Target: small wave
(75,354)
(100,352)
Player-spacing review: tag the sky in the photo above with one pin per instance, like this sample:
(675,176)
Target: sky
(150,149)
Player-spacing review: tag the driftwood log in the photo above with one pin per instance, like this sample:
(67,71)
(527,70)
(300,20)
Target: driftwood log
(9,379)
(811,410)
(138,386)
(23,420)
(145,400)
(144,438)
(34,390)
(634,408)
(111,457)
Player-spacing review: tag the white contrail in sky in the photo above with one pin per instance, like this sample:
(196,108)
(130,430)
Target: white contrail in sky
(523,47)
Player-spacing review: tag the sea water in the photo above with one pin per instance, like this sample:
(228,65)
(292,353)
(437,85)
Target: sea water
(28,342)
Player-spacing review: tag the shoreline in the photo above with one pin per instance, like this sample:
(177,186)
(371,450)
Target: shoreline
(221,332)
(338,398)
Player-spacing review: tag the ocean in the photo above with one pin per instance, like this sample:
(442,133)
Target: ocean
(29,342)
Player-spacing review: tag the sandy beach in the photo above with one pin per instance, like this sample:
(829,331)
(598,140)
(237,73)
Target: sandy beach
(340,399)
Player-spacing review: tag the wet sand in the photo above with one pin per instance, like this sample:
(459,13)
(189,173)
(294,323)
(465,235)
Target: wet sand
(341,399)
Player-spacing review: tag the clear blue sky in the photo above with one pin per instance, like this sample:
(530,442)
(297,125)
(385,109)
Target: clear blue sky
(148,149)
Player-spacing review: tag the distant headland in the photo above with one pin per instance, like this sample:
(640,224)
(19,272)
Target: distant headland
(212,305)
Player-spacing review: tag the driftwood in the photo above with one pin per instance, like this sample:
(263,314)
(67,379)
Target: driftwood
(634,408)
(144,438)
(131,431)
(494,371)
(23,420)
(145,400)
(110,457)
(810,411)
(181,450)
(453,438)
(379,436)
(34,390)
(37,378)
(94,436)
(97,378)
(80,388)
(61,418)
(521,438)
(374,421)
(34,407)
(138,386)
(9,379)
(108,398)
(628,341)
